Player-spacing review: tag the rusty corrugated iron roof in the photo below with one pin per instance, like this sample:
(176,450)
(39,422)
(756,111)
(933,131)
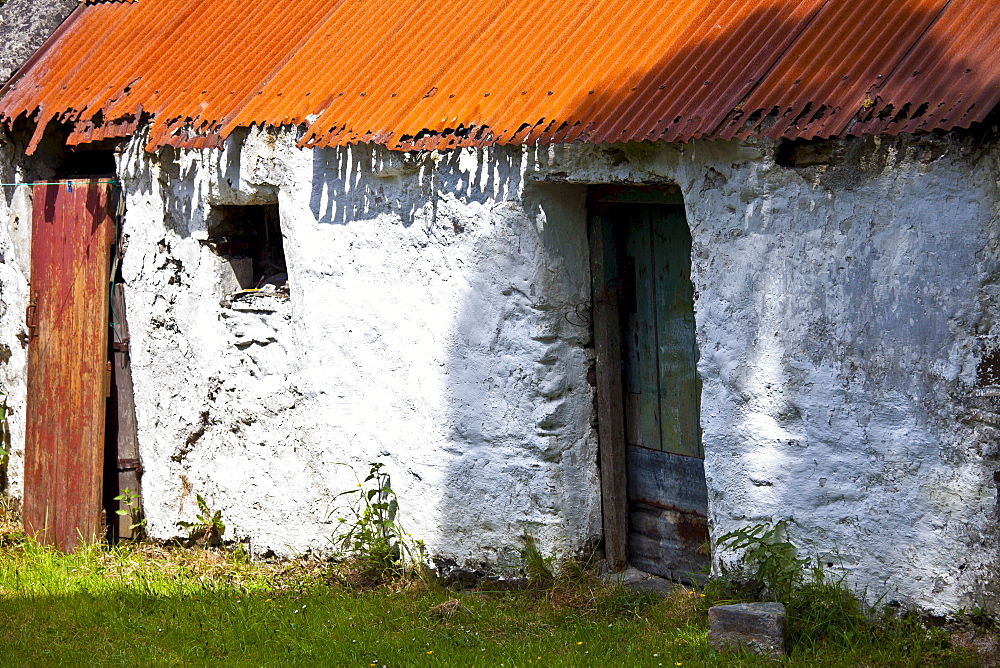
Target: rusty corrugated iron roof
(438,74)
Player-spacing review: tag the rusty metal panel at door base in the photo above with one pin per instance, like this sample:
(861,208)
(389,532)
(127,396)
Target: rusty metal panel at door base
(72,231)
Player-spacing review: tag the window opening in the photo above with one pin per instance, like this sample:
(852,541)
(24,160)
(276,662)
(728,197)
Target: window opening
(249,237)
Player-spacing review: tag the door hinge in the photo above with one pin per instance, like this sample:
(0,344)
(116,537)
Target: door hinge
(31,316)
(132,464)
(107,380)
(120,346)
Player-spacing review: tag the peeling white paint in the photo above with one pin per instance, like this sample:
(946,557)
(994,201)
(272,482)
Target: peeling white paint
(438,322)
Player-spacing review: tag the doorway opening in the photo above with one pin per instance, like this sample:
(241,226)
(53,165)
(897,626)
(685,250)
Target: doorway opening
(81,450)
(653,476)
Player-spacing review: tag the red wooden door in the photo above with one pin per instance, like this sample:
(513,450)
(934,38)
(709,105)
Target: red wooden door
(72,231)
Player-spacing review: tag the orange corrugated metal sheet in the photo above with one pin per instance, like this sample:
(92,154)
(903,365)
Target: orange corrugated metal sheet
(438,74)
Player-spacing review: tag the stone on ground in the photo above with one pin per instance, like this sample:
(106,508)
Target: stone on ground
(755,627)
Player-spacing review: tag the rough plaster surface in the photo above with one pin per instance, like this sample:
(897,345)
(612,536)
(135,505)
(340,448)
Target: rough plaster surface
(24,26)
(438,322)
(427,328)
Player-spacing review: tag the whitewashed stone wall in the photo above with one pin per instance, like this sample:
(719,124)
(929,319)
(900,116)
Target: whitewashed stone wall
(433,325)
(15,268)
(437,322)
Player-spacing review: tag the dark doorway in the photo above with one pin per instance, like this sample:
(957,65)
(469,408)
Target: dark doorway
(644,297)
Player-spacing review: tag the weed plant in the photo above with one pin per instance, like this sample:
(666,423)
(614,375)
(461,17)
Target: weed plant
(370,532)
(822,613)
(207,527)
(4,439)
(539,568)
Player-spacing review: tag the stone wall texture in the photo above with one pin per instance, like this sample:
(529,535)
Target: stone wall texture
(24,26)
(438,322)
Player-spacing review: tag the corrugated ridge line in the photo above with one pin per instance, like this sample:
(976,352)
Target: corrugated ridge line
(347,110)
(438,105)
(544,114)
(738,83)
(869,97)
(586,110)
(97,53)
(167,109)
(248,100)
(486,75)
(250,65)
(817,45)
(569,84)
(250,112)
(348,82)
(151,61)
(601,126)
(880,90)
(946,77)
(537,45)
(275,49)
(820,85)
(243,97)
(878,60)
(59,102)
(541,45)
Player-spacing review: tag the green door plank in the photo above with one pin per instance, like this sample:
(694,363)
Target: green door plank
(675,332)
(643,376)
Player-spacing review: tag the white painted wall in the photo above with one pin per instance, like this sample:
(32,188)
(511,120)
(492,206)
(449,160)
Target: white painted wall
(841,313)
(427,328)
(15,256)
(434,325)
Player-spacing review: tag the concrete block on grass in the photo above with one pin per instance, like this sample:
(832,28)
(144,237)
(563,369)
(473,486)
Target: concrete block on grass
(755,627)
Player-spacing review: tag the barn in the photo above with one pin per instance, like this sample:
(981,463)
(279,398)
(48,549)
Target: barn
(616,276)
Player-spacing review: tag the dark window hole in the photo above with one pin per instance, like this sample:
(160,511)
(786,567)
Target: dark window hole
(91,160)
(250,238)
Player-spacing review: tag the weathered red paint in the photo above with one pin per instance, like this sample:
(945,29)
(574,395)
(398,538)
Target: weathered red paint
(72,231)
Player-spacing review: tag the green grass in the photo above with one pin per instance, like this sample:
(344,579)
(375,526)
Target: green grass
(151,605)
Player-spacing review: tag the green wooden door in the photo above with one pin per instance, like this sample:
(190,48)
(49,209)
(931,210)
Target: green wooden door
(661,380)
(643,290)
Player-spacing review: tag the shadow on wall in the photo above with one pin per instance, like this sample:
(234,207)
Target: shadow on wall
(513,452)
(341,193)
(860,324)
(521,455)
